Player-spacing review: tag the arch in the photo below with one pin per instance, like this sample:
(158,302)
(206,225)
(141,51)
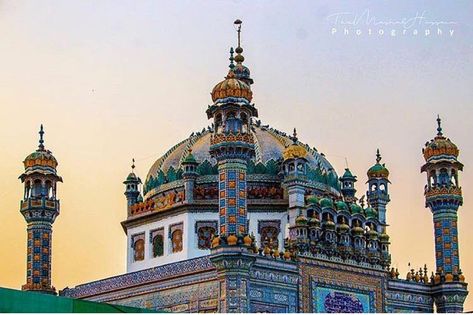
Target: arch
(37,187)
(204,236)
(158,245)
(139,250)
(176,241)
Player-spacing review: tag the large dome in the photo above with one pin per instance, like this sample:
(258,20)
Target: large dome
(270,146)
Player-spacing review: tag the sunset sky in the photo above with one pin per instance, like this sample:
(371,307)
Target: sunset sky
(113,80)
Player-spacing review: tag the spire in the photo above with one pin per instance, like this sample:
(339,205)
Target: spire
(294,136)
(232,65)
(439,126)
(41,141)
(378,156)
(239,57)
(133,165)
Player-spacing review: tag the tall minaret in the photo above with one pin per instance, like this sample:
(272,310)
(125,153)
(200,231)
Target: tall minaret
(132,188)
(443,196)
(232,145)
(40,207)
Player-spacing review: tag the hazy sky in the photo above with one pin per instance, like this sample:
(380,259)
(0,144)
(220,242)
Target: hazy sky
(112,80)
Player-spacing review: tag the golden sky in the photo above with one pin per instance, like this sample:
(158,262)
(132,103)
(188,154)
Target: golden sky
(112,80)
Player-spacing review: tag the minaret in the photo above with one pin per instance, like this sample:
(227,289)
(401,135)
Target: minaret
(132,191)
(232,145)
(39,208)
(377,194)
(348,181)
(189,175)
(295,172)
(443,196)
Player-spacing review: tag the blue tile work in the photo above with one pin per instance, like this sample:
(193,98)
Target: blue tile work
(336,299)
(272,299)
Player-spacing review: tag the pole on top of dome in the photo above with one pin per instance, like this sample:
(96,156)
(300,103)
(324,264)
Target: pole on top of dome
(378,156)
(294,136)
(232,65)
(41,140)
(238,23)
(439,128)
(133,165)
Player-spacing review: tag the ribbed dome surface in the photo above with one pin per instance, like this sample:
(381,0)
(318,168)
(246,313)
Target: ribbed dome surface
(270,145)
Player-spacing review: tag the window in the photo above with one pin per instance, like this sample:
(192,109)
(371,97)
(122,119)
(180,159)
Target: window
(176,241)
(176,235)
(205,230)
(269,232)
(156,239)
(138,245)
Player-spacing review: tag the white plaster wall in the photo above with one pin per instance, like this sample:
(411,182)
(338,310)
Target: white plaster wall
(190,248)
(254,217)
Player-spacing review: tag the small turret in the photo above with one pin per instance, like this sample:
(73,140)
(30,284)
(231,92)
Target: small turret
(348,186)
(132,191)
(189,164)
(377,194)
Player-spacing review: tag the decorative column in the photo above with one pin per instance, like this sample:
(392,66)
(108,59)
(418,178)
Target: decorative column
(378,182)
(189,175)
(232,145)
(40,207)
(443,196)
(295,180)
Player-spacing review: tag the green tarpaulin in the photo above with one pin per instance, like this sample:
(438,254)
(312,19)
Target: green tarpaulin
(15,301)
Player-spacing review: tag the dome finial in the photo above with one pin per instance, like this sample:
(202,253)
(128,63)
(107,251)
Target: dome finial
(439,126)
(41,140)
(232,65)
(133,165)
(239,57)
(294,136)
(378,156)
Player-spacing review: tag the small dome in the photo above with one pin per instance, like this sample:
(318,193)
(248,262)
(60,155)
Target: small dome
(343,228)
(189,159)
(348,175)
(294,151)
(314,221)
(232,87)
(371,213)
(301,220)
(357,230)
(40,157)
(378,170)
(326,203)
(329,225)
(312,199)
(355,209)
(341,205)
(383,237)
(131,177)
(372,234)
(440,146)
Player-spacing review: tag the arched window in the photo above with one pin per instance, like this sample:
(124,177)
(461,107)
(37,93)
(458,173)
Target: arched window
(139,249)
(158,246)
(204,235)
(269,232)
(37,188)
(176,239)
(443,177)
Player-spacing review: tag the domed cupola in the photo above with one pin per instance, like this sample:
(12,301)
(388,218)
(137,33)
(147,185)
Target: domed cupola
(440,147)
(341,206)
(232,87)
(356,209)
(41,158)
(378,170)
(326,203)
(371,213)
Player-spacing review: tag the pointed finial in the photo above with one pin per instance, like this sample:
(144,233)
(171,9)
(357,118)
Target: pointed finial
(294,136)
(133,165)
(439,126)
(41,140)
(239,57)
(378,156)
(232,65)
